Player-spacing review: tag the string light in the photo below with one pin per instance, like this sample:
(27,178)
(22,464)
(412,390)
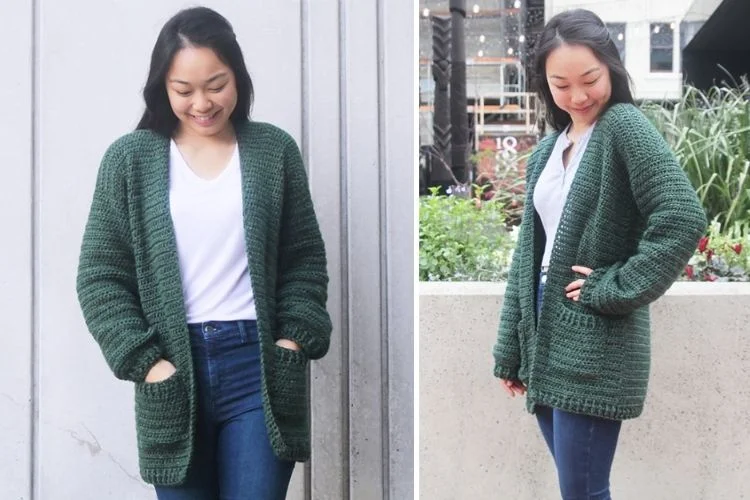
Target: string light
(426,13)
(476,8)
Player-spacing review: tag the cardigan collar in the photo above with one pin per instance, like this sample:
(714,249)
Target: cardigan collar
(586,171)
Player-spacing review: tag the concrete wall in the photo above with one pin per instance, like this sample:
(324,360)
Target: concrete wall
(691,441)
(339,79)
(638,14)
(16,222)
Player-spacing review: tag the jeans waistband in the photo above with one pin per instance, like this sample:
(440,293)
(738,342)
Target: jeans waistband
(210,328)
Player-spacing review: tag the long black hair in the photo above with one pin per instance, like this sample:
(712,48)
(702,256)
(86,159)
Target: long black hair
(578,27)
(194,27)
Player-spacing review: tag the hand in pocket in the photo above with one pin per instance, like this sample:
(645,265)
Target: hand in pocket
(288,344)
(160,372)
(573,290)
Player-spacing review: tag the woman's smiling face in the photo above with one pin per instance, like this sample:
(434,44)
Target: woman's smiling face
(202,91)
(580,84)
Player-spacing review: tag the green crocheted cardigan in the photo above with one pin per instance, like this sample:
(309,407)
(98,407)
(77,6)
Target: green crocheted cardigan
(130,292)
(633,217)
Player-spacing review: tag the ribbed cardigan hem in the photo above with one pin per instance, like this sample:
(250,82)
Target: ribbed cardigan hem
(299,453)
(156,473)
(582,405)
(164,476)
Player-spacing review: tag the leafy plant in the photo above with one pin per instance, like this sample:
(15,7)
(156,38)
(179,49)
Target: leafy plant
(501,169)
(710,134)
(462,239)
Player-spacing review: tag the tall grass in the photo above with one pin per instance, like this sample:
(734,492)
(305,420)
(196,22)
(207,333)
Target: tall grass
(710,134)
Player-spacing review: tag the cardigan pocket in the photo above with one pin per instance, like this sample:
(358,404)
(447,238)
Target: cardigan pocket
(578,345)
(288,389)
(162,414)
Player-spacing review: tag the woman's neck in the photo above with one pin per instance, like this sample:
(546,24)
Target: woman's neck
(186,137)
(577,129)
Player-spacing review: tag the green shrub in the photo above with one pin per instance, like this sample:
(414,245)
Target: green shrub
(710,134)
(462,239)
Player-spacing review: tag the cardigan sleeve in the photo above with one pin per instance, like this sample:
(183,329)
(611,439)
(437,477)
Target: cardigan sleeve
(106,281)
(674,220)
(302,286)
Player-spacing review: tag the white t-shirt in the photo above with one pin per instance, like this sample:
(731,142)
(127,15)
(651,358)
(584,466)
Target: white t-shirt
(552,187)
(210,234)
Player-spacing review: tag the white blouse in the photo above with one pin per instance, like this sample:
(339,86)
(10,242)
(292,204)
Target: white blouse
(210,235)
(553,186)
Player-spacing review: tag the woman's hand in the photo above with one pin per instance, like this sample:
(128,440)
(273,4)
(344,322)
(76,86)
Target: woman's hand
(161,371)
(513,387)
(573,290)
(288,344)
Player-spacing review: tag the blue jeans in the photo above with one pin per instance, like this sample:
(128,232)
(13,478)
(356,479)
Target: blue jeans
(233,459)
(583,448)
(540,292)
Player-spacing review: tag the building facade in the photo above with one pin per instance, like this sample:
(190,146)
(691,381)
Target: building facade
(650,36)
(500,35)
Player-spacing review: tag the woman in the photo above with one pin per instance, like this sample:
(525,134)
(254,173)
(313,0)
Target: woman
(610,222)
(203,277)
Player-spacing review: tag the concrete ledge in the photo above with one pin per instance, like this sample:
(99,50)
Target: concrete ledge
(485,288)
(692,442)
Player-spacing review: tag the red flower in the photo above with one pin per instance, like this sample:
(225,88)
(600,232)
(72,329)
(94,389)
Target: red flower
(709,254)
(703,244)
(711,277)
(689,272)
(737,248)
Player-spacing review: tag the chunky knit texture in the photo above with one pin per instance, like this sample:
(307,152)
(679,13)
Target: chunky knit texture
(130,291)
(634,218)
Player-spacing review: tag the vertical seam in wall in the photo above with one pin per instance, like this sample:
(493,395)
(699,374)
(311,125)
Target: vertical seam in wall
(304,82)
(414,312)
(34,227)
(305,146)
(384,260)
(345,288)
(415,261)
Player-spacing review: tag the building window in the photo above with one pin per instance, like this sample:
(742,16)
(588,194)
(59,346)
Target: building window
(617,33)
(662,47)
